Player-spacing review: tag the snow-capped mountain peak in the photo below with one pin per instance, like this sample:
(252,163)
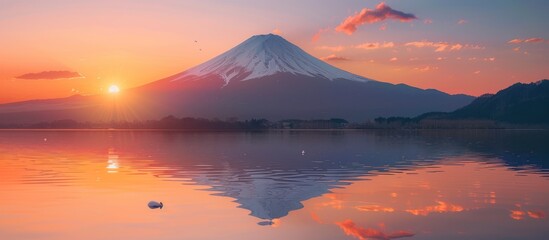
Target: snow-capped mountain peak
(265,55)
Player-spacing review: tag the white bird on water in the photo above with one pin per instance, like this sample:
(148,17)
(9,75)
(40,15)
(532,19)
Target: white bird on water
(154,205)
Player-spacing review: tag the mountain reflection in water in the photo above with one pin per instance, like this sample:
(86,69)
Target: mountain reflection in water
(272,174)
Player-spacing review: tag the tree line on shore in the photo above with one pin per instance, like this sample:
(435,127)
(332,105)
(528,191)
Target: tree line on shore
(189,123)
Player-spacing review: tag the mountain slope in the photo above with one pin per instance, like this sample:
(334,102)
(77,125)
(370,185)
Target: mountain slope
(284,95)
(520,103)
(263,77)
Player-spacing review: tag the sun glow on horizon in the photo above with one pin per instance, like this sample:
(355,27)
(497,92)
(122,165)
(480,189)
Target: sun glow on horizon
(113,89)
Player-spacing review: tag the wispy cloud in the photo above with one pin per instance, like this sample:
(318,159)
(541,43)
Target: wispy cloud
(50,75)
(277,31)
(333,57)
(462,21)
(439,46)
(351,229)
(442,46)
(332,48)
(425,68)
(375,45)
(366,15)
(527,40)
(534,40)
(317,35)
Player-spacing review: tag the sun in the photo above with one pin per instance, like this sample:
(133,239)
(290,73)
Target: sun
(113,89)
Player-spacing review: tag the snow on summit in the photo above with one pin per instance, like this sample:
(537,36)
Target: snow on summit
(265,55)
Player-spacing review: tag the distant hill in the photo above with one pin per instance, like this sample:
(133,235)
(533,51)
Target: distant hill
(518,104)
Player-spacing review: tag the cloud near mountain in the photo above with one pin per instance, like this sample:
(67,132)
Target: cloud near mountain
(442,46)
(375,45)
(380,13)
(334,57)
(50,75)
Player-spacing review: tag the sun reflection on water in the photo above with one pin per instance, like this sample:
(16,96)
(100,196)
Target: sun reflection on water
(112,161)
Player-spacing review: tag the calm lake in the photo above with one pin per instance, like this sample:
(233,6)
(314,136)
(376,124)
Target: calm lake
(274,185)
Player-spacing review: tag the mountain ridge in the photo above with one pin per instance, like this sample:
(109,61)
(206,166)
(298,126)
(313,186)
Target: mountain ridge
(520,103)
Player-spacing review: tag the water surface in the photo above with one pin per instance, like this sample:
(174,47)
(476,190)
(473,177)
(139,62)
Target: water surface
(274,185)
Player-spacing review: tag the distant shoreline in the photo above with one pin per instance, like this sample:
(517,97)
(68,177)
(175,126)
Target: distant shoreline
(263,130)
(171,123)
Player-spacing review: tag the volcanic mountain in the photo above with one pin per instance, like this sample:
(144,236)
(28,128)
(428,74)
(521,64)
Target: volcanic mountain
(263,77)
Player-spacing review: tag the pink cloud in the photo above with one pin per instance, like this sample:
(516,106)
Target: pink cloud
(277,31)
(442,46)
(351,229)
(375,45)
(528,40)
(316,37)
(332,48)
(462,21)
(393,59)
(50,75)
(333,57)
(380,13)
(534,40)
(425,68)
(439,46)
(456,47)
(474,47)
(428,21)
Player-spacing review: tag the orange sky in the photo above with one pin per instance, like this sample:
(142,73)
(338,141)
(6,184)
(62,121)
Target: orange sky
(471,47)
